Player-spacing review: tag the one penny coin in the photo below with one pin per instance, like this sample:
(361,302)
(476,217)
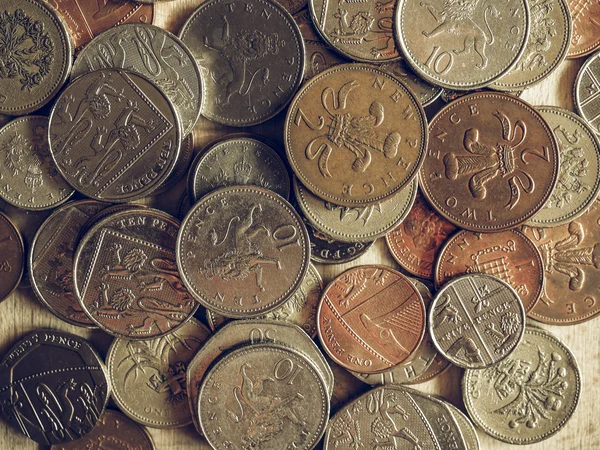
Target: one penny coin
(587,91)
(12,261)
(370,319)
(491,164)
(586,17)
(355,135)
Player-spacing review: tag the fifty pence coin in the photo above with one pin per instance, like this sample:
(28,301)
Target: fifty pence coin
(12,261)
(586,16)
(587,91)
(325,250)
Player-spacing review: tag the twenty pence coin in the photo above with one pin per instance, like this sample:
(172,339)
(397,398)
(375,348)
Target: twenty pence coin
(12,261)
(587,92)
(586,16)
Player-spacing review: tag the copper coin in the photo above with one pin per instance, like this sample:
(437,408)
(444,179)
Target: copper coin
(415,243)
(370,319)
(12,261)
(491,164)
(587,92)
(126,278)
(510,256)
(355,135)
(586,27)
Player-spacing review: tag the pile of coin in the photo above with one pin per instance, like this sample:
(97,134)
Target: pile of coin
(220,317)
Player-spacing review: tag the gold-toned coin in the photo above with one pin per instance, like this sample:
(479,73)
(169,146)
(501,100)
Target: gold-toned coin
(12,261)
(462,45)
(587,91)
(425,92)
(528,397)
(586,17)
(355,135)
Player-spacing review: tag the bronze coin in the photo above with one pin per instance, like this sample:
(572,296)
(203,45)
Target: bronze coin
(355,135)
(491,164)
(586,27)
(12,261)
(370,319)
(114,135)
(126,278)
(415,243)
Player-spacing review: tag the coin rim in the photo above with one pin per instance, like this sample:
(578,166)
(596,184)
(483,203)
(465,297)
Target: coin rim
(584,51)
(578,81)
(21,244)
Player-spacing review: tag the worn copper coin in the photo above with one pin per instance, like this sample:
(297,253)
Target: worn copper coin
(126,278)
(252,57)
(476,320)
(371,318)
(491,164)
(114,135)
(243,251)
(355,135)
(12,261)
(325,250)
(586,27)
(148,377)
(415,243)
(510,256)
(425,92)
(528,397)
(587,91)
(53,387)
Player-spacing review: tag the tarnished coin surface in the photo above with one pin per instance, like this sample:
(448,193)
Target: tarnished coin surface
(294,6)
(53,387)
(529,396)
(36,56)
(355,135)
(491,164)
(586,17)
(114,135)
(371,318)
(510,256)
(325,250)
(154,53)
(426,93)
(237,161)
(462,45)
(126,278)
(148,377)
(252,57)
(12,261)
(29,178)
(587,91)
(243,251)
(476,320)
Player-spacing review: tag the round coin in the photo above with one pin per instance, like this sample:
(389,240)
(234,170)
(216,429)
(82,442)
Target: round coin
(12,261)
(491,164)
(53,387)
(451,44)
(126,278)
(114,135)
(510,256)
(466,427)
(587,91)
(325,250)
(182,164)
(370,319)
(476,321)
(586,16)
(243,251)
(425,92)
(355,135)
(252,56)
(528,397)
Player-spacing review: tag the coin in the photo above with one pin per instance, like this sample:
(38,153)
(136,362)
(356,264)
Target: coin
(182,164)
(113,430)
(108,210)
(528,397)
(579,170)
(435,369)
(53,387)
(325,250)
(415,243)
(12,261)
(355,223)
(236,411)
(491,164)
(510,256)
(370,319)
(185,204)
(451,44)
(466,426)
(547,46)
(28,177)
(426,93)
(126,278)
(345,387)
(155,54)
(242,251)
(35,58)
(476,320)
(294,6)
(587,91)
(586,16)
(251,72)
(236,161)
(154,371)
(355,135)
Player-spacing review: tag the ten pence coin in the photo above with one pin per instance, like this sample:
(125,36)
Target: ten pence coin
(12,261)
(586,17)
(587,92)
(355,135)
(491,164)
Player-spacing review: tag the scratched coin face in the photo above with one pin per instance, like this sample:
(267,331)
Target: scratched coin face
(53,387)
(12,260)
(355,135)
(529,396)
(371,318)
(587,91)
(491,164)
(114,135)
(252,57)
(126,278)
(586,23)
(476,321)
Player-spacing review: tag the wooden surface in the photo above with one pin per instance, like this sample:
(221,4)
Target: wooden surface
(22,313)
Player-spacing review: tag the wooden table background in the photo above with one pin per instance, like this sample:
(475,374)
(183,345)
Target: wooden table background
(22,313)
